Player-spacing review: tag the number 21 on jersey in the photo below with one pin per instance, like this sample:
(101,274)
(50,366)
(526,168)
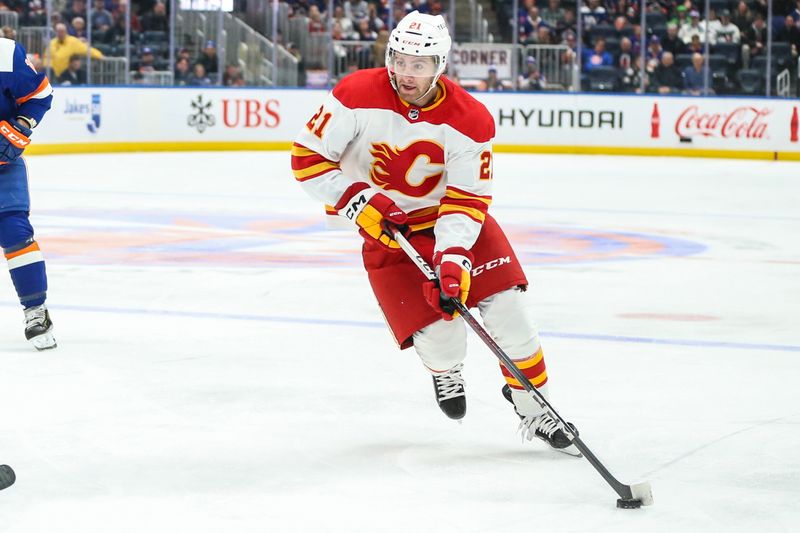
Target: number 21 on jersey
(486,165)
(317,126)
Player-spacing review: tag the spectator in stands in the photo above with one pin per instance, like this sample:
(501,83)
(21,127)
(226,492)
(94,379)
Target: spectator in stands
(692,28)
(156,20)
(184,53)
(543,35)
(696,46)
(63,46)
(743,17)
(789,33)
(796,13)
(628,9)
(198,78)
(9,32)
(376,24)
(754,38)
(653,54)
(492,83)
(681,16)
(315,22)
(694,77)
(345,24)
(116,34)
(671,42)
(570,40)
(364,33)
(726,31)
(101,18)
(119,15)
(593,14)
(598,57)
(625,56)
(77,28)
(379,48)
(632,76)
(356,10)
(568,23)
(231,72)
(147,61)
(623,26)
(208,58)
(74,73)
(666,77)
(77,9)
(553,15)
(532,80)
(33,13)
(182,72)
(529,26)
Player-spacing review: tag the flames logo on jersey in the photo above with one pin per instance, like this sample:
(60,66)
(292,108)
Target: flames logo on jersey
(391,168)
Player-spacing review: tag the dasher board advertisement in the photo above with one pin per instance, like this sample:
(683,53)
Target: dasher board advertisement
(194,118)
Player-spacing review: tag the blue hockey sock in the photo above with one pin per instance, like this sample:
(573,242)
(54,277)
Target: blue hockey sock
(25,260)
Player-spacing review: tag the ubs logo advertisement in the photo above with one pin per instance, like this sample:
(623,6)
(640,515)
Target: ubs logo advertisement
(200,117)
(87,111)
(236,113)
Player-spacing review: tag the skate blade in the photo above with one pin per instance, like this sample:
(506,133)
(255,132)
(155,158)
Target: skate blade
(44,342)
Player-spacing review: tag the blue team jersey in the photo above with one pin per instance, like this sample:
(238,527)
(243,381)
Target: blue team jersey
(25,92)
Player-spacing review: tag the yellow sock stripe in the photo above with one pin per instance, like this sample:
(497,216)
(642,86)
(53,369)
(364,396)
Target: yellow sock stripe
(538,380)
(533,361)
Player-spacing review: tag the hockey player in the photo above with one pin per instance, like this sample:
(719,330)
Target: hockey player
(26,97)
(412,150)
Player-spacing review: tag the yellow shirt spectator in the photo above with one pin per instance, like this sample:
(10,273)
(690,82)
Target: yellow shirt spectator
(64,46)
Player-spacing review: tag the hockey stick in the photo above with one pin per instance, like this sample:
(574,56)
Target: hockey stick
(7,477)
(630,496)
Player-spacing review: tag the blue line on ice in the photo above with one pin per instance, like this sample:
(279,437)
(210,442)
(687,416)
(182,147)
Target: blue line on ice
(375,324)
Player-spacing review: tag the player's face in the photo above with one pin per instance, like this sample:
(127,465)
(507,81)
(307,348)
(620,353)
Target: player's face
(413,75)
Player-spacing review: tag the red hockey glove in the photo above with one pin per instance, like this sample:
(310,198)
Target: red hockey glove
(14,138)
(454,268)
(374,213)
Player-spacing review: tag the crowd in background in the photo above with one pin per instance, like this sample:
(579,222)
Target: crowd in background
(610,58)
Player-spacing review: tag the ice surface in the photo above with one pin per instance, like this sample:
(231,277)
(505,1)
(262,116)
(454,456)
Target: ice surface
(222,365)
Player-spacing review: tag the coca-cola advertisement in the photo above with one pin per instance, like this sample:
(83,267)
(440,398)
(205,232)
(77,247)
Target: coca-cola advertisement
(740,122)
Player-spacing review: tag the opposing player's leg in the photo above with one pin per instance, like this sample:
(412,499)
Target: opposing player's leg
(27,268)
(442,347)
(507,317)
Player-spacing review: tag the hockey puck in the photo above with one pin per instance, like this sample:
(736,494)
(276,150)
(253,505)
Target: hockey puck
(628,504)
(7,476)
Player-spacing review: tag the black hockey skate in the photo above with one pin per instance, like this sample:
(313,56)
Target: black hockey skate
(544,427)
(39,327)
(449,389)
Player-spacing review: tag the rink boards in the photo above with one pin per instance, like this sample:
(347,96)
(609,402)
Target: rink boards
(110,119)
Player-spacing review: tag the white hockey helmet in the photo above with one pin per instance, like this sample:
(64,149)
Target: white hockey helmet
(419,34)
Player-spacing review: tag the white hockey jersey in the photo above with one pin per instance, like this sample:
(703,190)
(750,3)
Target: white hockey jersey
(435,162)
